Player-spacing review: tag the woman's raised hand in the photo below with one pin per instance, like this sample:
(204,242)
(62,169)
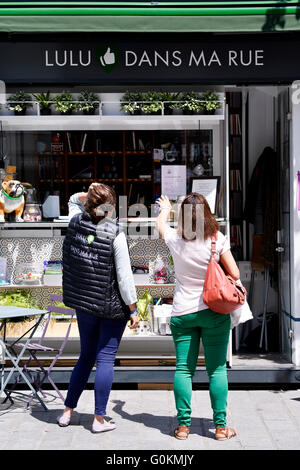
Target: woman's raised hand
(164,202)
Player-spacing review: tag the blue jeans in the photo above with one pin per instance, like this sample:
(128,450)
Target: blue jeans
(99,341)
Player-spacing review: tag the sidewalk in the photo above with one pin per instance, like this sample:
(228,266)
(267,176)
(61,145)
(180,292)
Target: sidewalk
(264,420)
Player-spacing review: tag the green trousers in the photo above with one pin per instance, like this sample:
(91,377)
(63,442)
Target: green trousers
(214,329)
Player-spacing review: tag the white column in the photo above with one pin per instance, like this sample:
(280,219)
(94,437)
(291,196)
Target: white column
(295,224)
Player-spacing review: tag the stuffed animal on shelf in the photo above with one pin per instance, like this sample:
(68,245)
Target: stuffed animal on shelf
(12,199)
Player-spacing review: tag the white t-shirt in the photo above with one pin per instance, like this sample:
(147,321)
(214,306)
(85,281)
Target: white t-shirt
(191,259)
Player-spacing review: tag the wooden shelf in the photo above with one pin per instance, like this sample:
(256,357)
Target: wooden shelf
(138,152)
(111,180)
(81,180)
(73,154)
(111,153)
(139,180)
(46,154)
(55,180)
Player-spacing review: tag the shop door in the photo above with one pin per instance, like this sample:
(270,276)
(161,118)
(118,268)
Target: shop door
(283,234)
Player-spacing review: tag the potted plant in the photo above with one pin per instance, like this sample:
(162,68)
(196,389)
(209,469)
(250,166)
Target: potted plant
(131,102)
(44,100)
(19,102)
(170,101)
(152,103)
(191,103)
(64,103)
(143,305)
(89,102)
(210,101)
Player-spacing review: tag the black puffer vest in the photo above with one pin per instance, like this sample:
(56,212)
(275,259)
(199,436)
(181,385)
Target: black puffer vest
(89,276)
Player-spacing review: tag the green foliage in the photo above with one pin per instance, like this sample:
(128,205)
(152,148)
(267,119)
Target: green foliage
(63,103)
(210,101)
(18,298)
(152,102)
(89,101)
(19,101)
(44,100)
(130,102)
(171,100)
(191,102)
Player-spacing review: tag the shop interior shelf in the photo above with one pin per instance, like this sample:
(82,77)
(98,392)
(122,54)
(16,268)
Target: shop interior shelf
(80,153)
(139,180)
(112,152)
(57,122)
(42,286)
(36,225)
(26,286)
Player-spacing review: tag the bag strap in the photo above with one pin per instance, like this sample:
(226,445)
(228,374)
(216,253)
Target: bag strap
(213,245)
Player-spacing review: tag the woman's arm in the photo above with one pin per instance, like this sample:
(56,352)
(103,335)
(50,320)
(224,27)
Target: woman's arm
(161,221)
(76,203)
(125,276)
(229,264)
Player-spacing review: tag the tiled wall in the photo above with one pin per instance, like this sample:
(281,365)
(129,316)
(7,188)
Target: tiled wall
(142,252)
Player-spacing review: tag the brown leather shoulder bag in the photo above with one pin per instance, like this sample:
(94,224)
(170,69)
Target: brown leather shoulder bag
(221,293)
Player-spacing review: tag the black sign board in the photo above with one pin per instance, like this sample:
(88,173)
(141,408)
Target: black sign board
(157,58)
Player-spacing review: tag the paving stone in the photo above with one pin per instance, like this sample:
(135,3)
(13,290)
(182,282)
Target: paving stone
(146,419)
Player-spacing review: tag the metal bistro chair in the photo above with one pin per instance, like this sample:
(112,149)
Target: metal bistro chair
(39,373)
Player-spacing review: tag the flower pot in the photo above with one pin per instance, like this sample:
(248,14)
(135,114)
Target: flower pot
(20,113)
(188,111)
(89,112)
(210,112)
(168,110)
(45,111)
(144,328)
(67,113)
(155,113)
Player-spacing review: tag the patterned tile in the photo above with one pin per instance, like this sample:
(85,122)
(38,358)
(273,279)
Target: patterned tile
(142,252)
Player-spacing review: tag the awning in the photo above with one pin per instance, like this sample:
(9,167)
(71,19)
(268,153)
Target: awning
(146,16)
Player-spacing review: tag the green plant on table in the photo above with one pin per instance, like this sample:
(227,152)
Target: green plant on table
(19,102)
(210,101)
(89,102)
(18,298)
(64,103)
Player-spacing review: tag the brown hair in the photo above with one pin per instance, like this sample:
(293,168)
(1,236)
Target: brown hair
(194,223)
(100,194)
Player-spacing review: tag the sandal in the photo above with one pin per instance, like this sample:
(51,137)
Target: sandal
(223,433)
(182,432)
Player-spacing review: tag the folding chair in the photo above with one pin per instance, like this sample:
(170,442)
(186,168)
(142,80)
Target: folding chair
(39,373)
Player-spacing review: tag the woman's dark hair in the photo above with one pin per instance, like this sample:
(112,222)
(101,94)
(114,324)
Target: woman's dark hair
(195,219)
(100,199)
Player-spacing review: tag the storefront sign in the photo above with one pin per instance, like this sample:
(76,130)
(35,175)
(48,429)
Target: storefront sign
(143,58)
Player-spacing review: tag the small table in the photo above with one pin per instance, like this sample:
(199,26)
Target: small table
(7,349)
